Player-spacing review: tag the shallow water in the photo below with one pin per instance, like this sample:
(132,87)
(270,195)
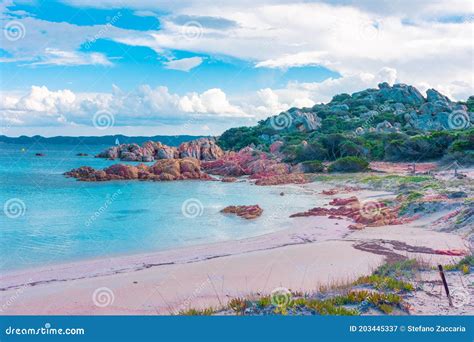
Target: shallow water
(48,218)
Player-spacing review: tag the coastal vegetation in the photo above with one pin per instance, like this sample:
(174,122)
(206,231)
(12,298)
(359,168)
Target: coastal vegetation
(386,291)
(382,292)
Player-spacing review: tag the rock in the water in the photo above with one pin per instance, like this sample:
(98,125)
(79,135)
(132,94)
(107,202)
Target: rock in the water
(245,211)
(201,149)
(162,170)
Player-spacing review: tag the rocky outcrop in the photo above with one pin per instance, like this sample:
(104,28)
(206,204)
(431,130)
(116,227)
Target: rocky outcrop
(245,211)
(293,178)
(433,112)
(162,170)
(399,93)
(201,149)
(248,161)
(387,127)
(370,213)
(439,113)
(264,168)
(229,179)
(294,120)
(133,152)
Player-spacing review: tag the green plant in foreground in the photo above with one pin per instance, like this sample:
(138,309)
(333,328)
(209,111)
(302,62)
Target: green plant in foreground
(238,305)
(327,307)
(264,301)
(385,302)
(384,283)
(464,265)
(385,308)
(197,312)
(405,268)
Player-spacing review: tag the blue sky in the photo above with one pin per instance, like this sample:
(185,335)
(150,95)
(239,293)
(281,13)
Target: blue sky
(199,67)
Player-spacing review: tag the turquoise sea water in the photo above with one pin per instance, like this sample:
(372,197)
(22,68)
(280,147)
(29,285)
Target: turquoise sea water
(49,219)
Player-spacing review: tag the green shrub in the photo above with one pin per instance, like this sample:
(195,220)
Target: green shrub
(240,137)
(313,166)
(349,164)
(310,151)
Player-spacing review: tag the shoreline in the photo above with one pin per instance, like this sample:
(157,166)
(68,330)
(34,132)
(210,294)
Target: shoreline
(199,252)
(316,251)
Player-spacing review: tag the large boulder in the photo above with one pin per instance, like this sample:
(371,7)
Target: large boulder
(294,120)
(201,149)
(400,93)
(248,212)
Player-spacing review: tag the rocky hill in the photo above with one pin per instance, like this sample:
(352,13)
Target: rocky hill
(388,123)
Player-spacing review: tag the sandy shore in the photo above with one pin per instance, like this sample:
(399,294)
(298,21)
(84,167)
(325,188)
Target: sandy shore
(314,252)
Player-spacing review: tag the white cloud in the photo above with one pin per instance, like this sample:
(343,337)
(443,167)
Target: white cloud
(69,58)
(41,106)
(184,64)
(56,43)
(350,39)
(296,60)
(40,99)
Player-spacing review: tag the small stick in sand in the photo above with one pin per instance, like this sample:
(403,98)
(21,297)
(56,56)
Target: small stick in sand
(445,284)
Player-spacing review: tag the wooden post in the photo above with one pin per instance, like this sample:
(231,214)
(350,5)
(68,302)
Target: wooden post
(445,284)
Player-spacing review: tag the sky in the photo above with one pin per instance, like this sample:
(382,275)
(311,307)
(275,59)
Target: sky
(149,67)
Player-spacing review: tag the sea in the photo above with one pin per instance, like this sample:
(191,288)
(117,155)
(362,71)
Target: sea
(49,219)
